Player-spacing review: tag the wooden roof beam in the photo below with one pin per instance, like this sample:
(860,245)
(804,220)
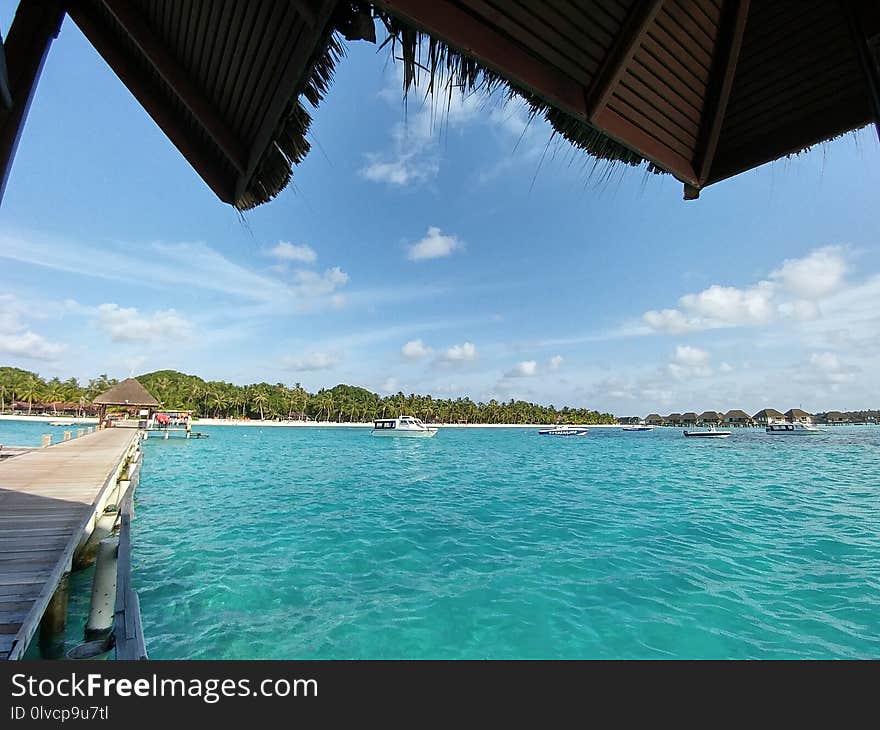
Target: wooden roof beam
(621,53)
(35,24)
(735,13)
(155,51)
(869,64)
(205,161)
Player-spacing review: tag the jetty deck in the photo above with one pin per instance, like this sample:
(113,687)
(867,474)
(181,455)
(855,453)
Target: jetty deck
(49,501)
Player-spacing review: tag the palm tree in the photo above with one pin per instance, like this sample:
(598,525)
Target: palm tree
(31,391)
(260,399)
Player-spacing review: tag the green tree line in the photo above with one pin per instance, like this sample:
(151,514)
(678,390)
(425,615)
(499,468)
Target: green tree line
(342,403)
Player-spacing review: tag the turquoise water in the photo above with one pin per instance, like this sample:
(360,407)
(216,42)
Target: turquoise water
(327,543)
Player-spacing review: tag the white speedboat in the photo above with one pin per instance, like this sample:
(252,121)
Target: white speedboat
(638,427)
(564,430)
(792,429)
(405,426)
(712,433)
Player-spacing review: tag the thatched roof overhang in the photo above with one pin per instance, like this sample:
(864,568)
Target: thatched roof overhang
(702,90)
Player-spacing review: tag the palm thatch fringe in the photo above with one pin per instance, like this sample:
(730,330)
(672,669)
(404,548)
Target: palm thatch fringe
(289,143)
(446,71)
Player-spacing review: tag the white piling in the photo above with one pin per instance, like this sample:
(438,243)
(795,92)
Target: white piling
(80,432)
(47,440)
(103,602)
(67,435)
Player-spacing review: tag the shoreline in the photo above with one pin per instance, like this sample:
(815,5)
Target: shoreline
(87,420)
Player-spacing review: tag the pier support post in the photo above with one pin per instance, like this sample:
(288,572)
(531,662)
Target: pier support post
(53,622)
(103,603)
(80,432)
(104,525)
(67,435)
(47,440)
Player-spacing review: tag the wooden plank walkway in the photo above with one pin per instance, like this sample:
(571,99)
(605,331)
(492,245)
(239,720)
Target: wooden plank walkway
(48,499)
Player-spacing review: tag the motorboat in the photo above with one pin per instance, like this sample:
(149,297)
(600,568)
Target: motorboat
(712,433)
(564,430)
(404,426)
(638,427)
(792,429)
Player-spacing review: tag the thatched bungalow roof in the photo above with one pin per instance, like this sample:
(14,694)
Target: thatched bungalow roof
(737,414)
(702,90)
(689,416)
(653,417)
(710,416)
(796,414)
(766,414)
(127,393)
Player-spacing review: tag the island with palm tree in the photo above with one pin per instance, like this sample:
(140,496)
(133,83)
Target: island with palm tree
(25,392)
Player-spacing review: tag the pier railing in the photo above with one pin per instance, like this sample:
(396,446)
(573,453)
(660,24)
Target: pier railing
(128,633)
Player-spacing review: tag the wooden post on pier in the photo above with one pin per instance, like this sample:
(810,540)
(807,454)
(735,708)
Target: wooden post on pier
(54,621)
(67,435)
(47,440)
(80,432)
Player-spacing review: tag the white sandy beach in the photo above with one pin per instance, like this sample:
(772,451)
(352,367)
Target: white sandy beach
(286,424)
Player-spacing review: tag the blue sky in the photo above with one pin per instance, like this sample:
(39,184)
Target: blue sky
(465,253)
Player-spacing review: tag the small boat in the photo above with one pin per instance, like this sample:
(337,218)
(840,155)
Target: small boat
(564,430)
(792,429)
(712,433)
(638,427)
(405,426)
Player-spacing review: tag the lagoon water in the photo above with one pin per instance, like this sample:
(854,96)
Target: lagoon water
(327,543)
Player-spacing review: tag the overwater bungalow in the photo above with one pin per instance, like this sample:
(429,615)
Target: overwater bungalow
(796,415)
(767,415)
(673,419)
(835,418)
(710,418)
(689,419)
(654,419)
(737,418)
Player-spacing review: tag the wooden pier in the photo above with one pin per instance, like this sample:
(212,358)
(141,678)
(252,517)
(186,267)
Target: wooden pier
(50,501)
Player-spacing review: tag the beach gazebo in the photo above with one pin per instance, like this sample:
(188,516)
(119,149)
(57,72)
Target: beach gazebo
(767,415)
(128,394)
(796,415)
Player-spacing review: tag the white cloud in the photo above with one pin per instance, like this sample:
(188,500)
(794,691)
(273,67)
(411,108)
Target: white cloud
(29,345)
(689,361)
(792,291)
(465,352)
(286,251)
(725,368)
(403,170)
(433,246)
(19,341)
(524,369)
(126,324)
(311,284)
(415,350)
(815,276)
(311,361)
(556,362)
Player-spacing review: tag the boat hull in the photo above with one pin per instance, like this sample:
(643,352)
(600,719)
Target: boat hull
(707,434)
(574,432)
(404,434)
(795,432)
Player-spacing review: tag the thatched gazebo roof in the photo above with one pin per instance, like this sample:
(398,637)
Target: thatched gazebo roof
(701,90)
(127,393)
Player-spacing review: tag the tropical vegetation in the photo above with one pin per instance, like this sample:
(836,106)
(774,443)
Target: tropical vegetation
(28,392)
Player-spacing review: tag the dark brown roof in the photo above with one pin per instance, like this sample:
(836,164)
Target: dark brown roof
(702,89)
(127,393)
(689,416)
(222,79)
(796,413)
(710,414)
(736,413)
(768,413)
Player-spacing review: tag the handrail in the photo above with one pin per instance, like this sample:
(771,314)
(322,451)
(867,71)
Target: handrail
(128,633)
